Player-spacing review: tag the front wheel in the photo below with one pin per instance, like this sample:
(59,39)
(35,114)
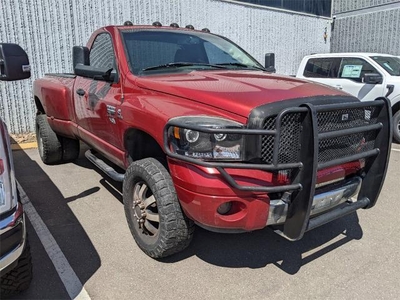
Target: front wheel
(396,127)
(152,209)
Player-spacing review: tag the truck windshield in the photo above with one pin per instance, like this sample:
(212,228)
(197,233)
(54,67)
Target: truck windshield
(389,63)
(163,51)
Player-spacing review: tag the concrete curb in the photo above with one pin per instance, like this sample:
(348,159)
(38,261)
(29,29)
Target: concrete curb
(23,146)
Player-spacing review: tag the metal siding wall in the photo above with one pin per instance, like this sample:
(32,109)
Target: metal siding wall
(340,6)
(47,30)
(371,32)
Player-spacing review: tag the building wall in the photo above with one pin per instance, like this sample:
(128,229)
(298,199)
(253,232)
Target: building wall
(366,26)
(48,31)
(340,6)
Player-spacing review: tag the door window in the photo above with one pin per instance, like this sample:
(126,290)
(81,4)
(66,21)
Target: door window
(322,67)
(102,52)
(355,69)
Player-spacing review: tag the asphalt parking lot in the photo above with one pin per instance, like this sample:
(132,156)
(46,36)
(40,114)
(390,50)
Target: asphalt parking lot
(356,257)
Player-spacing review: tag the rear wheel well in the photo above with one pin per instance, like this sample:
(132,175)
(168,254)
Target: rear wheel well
(139,145)
(39,106)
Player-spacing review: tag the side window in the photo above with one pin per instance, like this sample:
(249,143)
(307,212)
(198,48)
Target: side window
(102,52)
(322,67)
(355,69)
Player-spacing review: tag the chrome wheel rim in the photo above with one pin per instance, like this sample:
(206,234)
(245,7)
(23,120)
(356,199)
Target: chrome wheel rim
(145,210)
(40,146)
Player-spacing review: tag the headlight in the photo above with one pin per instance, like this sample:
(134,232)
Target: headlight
(8,190)
(199,137)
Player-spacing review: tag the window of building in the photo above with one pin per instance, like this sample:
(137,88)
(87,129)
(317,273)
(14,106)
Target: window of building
(102,52)
(322,67)
(314,7)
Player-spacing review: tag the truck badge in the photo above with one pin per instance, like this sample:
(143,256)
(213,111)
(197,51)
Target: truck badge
(119,114)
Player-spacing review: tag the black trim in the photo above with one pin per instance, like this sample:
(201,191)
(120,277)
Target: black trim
(103,166)
(258,114)
(376,168)
(8,213)
(11,239)
(390,88)
(300,207)
(63,75)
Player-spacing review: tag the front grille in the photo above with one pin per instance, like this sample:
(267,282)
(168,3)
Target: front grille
(327,121)
(344,119)
(289,146)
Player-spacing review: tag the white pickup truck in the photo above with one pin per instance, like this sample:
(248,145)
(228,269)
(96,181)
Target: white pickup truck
(364,75)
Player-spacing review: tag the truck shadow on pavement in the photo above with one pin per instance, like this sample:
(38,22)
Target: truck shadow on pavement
(264,247)
(69,234)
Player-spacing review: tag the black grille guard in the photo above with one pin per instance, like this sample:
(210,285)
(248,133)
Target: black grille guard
(303,185)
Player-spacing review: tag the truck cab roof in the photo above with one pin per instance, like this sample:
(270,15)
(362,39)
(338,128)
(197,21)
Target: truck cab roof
(348,54)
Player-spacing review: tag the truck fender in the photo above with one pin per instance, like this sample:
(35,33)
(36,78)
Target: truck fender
(395,104)
(139,144)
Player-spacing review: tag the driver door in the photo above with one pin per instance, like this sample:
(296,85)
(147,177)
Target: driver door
(97,101)
(351,79)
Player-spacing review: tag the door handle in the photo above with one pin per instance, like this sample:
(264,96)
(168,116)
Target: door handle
(80,92)
(339,87)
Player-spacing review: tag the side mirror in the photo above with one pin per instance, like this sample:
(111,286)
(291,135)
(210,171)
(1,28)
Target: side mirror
(14,62)
(373,78)
(80,55)
(270,62)
(95,73)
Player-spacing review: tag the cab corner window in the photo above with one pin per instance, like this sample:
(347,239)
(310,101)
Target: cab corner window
(322,67)
(102,52)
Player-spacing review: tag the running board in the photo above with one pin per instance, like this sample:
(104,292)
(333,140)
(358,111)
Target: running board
(104,166)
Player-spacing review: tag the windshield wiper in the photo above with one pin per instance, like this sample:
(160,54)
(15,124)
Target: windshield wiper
(241,65)
(182,64)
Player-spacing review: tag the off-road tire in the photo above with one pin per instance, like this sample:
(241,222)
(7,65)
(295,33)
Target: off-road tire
(49,143)
(19,278)
(175,230)
(396,127)
(70,149)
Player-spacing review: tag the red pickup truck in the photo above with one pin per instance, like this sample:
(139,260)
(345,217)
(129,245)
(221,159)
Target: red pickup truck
(207,136)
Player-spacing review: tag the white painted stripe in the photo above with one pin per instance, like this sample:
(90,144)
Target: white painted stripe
(67,275)
(397,150)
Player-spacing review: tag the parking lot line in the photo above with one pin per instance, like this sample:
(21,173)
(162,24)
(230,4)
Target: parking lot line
(397,150)
(67,275)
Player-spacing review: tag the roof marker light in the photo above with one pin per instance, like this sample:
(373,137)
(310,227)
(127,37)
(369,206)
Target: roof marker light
(157,24)
(189,27)
(174,25)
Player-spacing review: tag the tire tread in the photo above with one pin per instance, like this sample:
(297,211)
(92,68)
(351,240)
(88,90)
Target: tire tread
(19,278)
(176,230)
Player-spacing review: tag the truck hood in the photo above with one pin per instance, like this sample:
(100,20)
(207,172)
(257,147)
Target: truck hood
(234,91)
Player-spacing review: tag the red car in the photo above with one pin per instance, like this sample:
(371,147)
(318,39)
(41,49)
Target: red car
(207,136)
